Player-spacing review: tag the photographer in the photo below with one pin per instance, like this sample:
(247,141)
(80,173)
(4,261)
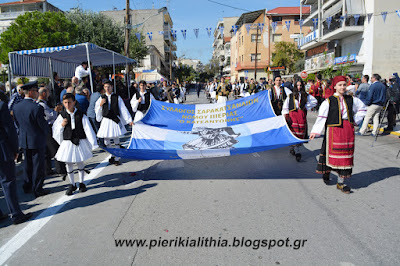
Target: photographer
(393,96)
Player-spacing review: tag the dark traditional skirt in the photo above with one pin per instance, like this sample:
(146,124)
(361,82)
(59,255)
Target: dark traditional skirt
(337,151)
(299,123)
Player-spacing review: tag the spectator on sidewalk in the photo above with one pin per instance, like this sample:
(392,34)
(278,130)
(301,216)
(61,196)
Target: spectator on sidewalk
(393,96)
(375,100)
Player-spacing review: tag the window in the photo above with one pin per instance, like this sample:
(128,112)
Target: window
(296,18)
(276,37)
(242,39)
(253,57)
(242,58)
(276,19)
(254,36)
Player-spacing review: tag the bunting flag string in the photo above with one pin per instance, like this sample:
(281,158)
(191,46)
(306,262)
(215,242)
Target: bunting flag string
(173,32)
(369,17)
(196,33)
(287,25)
(329,21)
(248,27)
(398,12)
(137,34)
(301,22)
(150,35)
(161,32)
(384,14)
(356,18)
(342,19)
(209,31)
(234,28)
(261,26)
(184,34)
(274,24)
(315,23)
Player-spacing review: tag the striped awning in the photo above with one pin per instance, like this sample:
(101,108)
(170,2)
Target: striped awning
(64,59)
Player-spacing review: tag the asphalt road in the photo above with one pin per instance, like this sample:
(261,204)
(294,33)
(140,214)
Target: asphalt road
(255,209)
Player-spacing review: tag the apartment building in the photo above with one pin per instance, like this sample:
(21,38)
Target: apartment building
(162,45)
(11,10)
(355,31)
(257,33)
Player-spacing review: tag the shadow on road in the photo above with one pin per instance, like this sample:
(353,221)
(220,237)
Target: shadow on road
(365,179)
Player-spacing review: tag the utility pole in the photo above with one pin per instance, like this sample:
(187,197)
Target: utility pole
(127,31)
(255,67)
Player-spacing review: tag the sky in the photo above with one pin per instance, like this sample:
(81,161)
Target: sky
(185,14)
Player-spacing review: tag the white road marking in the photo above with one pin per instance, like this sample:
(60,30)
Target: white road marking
(26,233)
(256,155)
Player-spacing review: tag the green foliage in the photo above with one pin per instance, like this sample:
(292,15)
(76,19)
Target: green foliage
(22,80)
(98,29)
(299,65)
(310,77)
(333,71)
(43,81)
(212,68)
(36,30)
(185,73)
(137,48)
(286,54)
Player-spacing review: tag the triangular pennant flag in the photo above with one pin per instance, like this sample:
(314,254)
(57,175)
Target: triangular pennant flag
(356,18)
(234,28)
(398,12)
(161,32)
(137,35)
(287,25)
(196,33)
(329,21)
(150,35)
(384,14)
(342,19)
(369,17)
(301,22)
(248,27)
(173,32)
(274,24)
(221,30)
(209,31)
(184,34)
(261,26)
(315,23)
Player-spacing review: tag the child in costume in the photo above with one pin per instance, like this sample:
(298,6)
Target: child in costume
(72,130)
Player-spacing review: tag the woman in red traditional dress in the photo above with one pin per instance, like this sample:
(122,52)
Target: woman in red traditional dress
(337,116)
(295,111)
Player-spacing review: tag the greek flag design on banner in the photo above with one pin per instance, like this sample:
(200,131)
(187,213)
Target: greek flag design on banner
(176,131)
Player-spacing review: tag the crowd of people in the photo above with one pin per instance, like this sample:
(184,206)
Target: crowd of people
(65,121)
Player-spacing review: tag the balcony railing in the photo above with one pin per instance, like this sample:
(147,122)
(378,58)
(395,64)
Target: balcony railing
(337,24)
(11,15)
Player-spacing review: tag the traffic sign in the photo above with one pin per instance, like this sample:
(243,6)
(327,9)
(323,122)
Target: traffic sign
(304,75)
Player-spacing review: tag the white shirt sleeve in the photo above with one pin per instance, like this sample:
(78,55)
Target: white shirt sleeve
(123,112)
(134,103)
(287,91)
(311,102)
(319,125)
(285,107)
(359,110)
(58,130)
(90,135)
(98,110)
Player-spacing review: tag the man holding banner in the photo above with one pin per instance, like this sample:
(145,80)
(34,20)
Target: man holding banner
(222,91)
(278,95)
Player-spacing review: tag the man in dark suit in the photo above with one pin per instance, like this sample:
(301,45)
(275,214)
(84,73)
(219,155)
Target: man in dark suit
(33,129)
(9,152)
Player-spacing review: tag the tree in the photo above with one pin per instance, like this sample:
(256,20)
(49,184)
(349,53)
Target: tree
(98,29)
(185,73)
(35,30)
(286,54)
(137,48)
(212,68)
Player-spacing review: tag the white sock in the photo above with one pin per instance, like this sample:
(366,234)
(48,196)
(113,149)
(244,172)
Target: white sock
(81,167)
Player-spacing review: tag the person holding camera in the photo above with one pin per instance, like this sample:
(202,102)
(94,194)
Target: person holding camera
(393,96)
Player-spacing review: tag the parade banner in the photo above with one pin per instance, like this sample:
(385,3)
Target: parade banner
(176,131)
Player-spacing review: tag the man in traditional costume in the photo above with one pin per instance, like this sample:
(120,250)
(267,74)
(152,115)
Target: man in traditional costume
(337,116)
(141,101)
(222,91)
(278,95)
(113,115)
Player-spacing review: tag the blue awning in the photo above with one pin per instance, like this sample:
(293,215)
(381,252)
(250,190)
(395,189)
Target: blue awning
(64,59)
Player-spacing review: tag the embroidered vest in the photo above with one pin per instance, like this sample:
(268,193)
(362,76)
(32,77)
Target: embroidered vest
(113,112)
(145,106)
(335,111)
(292,104)
(74,135)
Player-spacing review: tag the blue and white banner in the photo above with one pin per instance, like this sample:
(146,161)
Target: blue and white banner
(209,31)
(287,24)
(184,34)
(234,28)
(248,27)
(356,18)
(173,32)
(315,23)
(174,131)
(384,14)
(261,26)
(150,35)
(274,24)
(329,21)
(196,33)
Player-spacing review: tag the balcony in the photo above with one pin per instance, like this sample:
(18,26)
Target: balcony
(173,47)
(308,2)
(340,30)
(11,15)
(167,28)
